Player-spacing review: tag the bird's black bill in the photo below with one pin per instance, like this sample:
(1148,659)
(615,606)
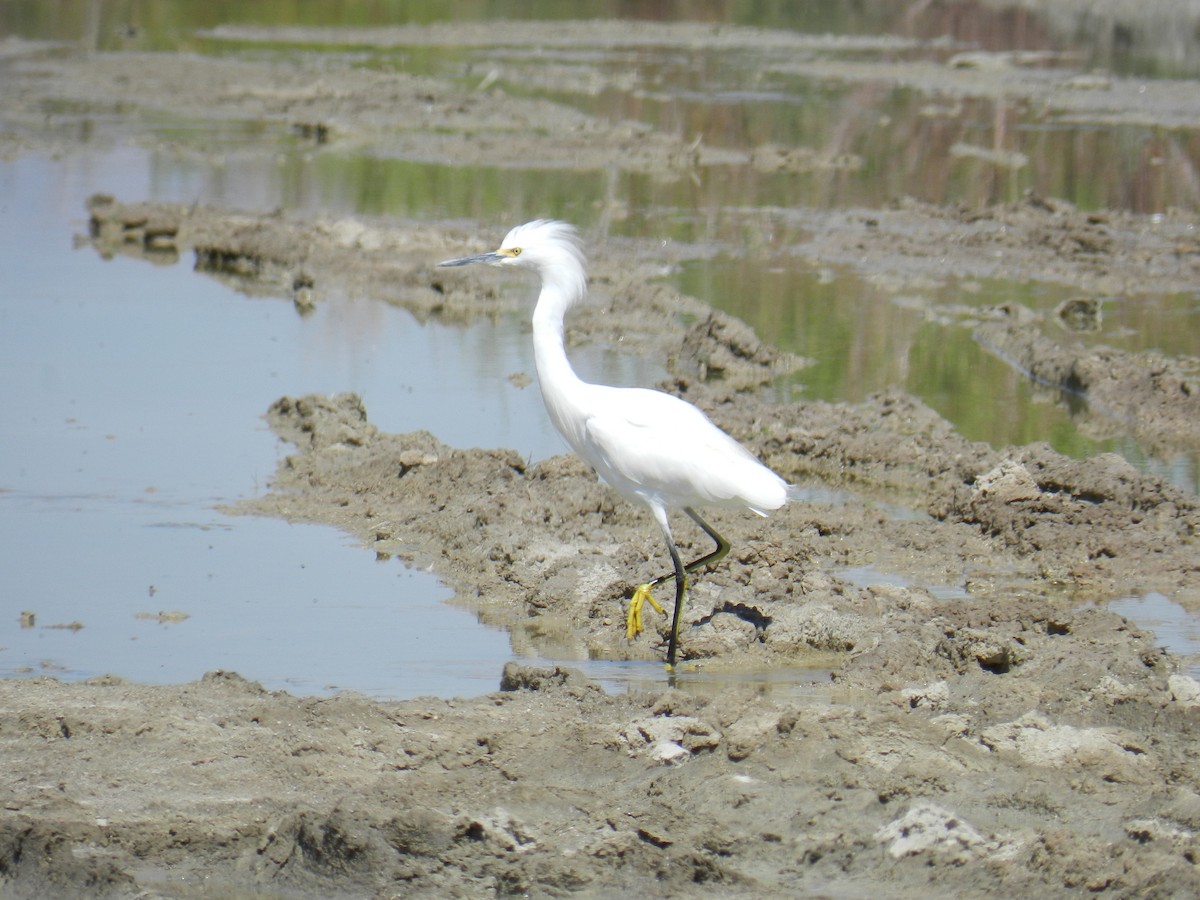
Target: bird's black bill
(491,257)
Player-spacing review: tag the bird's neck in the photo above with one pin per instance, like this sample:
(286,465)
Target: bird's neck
(561,387)
(549,350)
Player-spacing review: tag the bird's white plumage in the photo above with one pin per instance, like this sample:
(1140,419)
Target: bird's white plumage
(664,450)
(648,445)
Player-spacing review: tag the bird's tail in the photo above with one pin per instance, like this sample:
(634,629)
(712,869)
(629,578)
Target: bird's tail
(790,492)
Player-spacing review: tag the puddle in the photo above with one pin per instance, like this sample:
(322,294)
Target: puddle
(1174,627)
(637,676)
(868,576)
(163,600)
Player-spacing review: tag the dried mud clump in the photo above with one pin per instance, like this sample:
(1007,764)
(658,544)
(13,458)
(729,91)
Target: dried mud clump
(1086,522)
(143,230)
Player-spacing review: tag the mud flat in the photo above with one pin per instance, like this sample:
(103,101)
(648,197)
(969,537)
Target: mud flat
(989,728)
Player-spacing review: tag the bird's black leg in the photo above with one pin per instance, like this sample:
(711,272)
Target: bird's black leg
(722,545)
(710,559)
(680,577)
(681,572)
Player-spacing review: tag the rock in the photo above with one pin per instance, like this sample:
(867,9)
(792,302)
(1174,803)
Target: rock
(668,739)
(928,828)
(1184,690)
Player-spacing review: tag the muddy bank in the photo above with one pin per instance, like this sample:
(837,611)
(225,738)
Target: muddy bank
(311,259)
(1099,254)
(1154,396)
(980,778)
(395,114)
(551,552)
(989,728)
(1040,239)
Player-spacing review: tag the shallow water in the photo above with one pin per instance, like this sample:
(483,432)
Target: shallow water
(1176,629)
(631,676)
(133,398)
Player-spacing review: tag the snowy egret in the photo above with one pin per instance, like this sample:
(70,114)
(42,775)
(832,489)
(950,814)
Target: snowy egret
(649,446)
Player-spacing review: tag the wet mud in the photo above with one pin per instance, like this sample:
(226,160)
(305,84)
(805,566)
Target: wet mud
(989,727)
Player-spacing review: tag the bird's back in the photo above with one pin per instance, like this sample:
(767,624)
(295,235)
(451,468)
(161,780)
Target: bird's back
(658,448)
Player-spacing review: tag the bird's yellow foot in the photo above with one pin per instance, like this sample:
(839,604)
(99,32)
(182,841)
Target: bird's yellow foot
(633,622)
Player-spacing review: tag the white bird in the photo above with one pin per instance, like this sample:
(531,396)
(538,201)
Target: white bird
(649,446)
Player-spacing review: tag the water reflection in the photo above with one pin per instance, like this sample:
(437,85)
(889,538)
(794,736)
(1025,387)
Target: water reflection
(802,137)
(811,141)
(866,335)
(267,164)
(1152,42)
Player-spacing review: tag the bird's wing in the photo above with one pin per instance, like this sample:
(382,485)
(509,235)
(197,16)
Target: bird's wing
(657,445)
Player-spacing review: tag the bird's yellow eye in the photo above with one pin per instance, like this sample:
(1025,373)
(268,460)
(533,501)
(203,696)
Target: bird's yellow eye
(516,251)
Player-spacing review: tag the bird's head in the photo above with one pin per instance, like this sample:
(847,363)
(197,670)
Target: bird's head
(542,244)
